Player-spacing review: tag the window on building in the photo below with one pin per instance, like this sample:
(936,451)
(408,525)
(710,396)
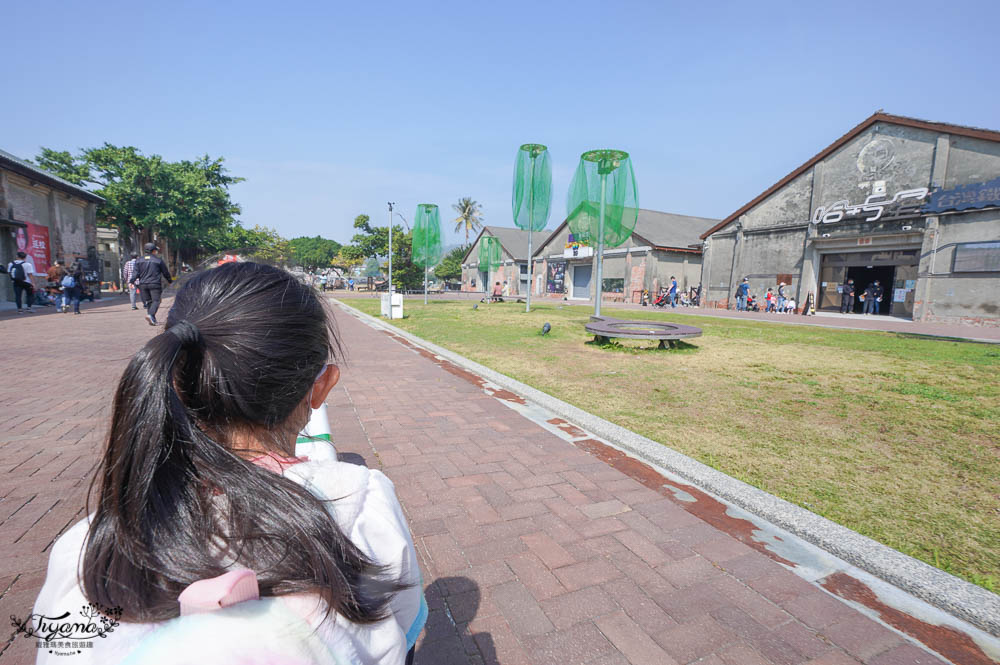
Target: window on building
(977,257)
(613,285)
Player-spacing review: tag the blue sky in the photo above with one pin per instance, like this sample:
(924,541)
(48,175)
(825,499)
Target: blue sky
(331,109)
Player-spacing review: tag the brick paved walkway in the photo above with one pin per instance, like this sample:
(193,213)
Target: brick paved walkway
(533,550)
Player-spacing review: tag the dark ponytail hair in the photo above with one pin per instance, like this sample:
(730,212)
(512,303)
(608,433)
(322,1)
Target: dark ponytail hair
(243,346)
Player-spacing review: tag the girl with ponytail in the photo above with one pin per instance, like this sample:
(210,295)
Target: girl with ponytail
(209,537)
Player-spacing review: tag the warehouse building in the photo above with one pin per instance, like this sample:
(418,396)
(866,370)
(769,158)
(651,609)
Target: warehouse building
(911,203)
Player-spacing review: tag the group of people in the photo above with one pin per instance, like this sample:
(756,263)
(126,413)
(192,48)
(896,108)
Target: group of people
(64,285)
(871,297)
(778,301)
(143,277)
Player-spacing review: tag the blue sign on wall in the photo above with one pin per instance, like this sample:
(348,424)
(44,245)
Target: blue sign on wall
(964,197)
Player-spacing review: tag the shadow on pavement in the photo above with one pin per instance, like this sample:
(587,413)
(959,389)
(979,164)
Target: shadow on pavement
(453,602)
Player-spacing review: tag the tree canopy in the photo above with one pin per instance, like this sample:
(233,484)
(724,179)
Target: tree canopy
(146,196)
(314,253)
(450,267)
(470,216)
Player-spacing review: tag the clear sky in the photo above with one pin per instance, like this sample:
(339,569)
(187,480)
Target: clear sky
(330,109)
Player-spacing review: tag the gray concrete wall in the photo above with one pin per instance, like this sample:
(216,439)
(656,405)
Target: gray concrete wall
(962,297)
(72,228)
(901,156)
(789,205)
(971,160)
(718,262)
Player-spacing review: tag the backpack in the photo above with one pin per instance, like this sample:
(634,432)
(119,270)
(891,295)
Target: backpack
(17,272)
(68,281)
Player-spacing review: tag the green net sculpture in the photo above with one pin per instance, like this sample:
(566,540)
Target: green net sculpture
(532,198)
(603,204)
(490,257)
(427,239)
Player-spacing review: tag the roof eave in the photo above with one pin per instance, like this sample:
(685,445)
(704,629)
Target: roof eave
(50,180)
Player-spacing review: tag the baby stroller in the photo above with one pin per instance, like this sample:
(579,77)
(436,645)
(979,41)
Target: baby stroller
(663,299)
(752,304)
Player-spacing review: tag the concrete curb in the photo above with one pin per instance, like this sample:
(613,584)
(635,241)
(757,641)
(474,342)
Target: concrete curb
(955,596)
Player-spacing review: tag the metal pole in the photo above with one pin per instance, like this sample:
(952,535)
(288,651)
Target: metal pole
(600,245)
(531,226)
(425,284)
(389,290)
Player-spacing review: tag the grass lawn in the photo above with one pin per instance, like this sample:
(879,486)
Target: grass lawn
(894,436)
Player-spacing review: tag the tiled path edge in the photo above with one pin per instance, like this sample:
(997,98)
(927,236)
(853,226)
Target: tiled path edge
(958,598)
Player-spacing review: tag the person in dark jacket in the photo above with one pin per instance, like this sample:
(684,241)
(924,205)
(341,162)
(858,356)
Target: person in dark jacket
(847,297)
(149,271)
(873,296)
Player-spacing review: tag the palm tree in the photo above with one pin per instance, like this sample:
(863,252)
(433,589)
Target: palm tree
(469,216)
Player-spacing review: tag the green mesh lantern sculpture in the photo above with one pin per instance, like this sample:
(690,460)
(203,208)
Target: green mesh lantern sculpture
(427,239)
(532,199)
(603,204)
(489,256)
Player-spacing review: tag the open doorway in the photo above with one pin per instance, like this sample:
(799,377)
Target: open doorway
(865,275)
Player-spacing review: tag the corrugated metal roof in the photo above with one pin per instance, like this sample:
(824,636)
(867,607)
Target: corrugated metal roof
(28,170)
(665,230)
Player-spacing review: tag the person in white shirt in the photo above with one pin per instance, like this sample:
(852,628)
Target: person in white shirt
(213,540)
(21,271)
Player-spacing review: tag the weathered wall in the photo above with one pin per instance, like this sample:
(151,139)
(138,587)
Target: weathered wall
(971,160)
(789,205)
(962,297)
(900,156)
(29,204)
(717,264)
(72,229)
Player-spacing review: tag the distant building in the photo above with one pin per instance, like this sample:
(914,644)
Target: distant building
(514,267)
(45,216)
(110,252)
(662,245)
(911,203)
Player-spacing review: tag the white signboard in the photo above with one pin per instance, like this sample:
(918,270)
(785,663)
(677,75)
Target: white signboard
(875,206)
(899,295)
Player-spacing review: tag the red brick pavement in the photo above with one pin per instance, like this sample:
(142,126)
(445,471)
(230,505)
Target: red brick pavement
(533,550)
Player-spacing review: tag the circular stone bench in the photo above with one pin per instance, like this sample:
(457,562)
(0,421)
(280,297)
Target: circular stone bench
(605,328)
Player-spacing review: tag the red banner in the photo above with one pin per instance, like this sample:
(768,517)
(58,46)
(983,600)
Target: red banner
(34,241)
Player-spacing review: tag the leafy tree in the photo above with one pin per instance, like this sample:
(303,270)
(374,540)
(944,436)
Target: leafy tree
(259,243)
(373,241)
(469,216)
(313,253)
(147,196)
(450,267)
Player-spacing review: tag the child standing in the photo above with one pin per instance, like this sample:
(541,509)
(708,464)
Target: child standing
(210,539)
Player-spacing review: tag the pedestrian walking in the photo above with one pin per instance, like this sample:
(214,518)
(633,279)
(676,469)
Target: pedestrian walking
(72,284)
(781,297)
(150,270)
(769,300)
(673,292)
(350,284)
(847,297)
(20,272)
(128,271)
(742,292)
(322,282)
(201,504)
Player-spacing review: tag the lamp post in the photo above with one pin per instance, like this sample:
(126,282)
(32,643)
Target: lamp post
(389,288)
(603,203)
(532,197)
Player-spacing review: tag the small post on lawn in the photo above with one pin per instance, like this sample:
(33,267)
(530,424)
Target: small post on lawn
(532,198)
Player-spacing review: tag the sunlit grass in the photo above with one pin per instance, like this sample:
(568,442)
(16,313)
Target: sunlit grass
(894,436)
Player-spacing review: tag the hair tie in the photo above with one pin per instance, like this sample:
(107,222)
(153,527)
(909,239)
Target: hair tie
(186,332)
